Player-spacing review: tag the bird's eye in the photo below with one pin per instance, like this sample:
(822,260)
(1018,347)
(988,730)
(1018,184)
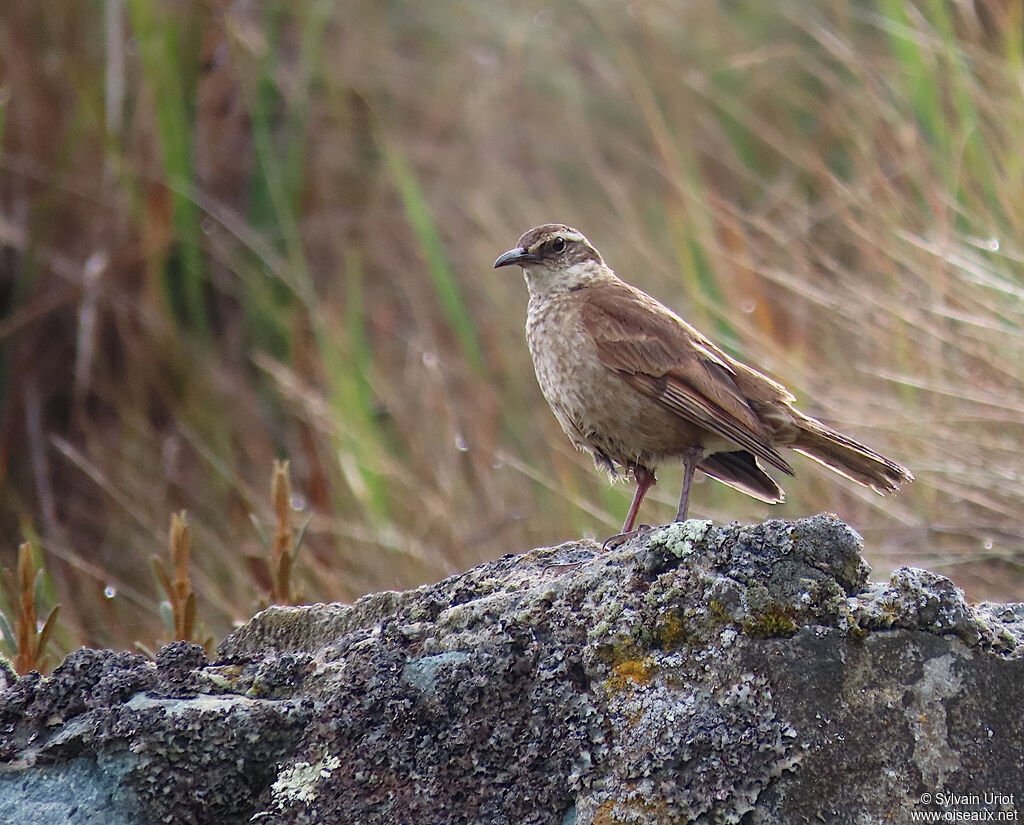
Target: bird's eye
(558,245)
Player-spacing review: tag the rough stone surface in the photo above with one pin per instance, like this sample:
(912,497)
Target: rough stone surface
(747,673)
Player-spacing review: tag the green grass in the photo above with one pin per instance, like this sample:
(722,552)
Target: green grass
(163,42)
(433,252)
(348,367)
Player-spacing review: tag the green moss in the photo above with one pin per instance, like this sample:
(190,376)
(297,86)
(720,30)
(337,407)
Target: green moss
(858,633)
(671,631)
(774,622)
(612,654)
(718,613)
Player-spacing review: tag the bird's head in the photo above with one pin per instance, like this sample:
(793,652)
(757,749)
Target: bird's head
(555,258)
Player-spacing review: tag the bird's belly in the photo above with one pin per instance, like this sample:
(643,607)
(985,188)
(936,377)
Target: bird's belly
(597,409)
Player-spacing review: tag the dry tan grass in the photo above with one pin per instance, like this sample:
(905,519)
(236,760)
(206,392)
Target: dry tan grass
(229,236)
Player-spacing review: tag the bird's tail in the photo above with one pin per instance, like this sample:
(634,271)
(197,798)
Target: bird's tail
(848,457)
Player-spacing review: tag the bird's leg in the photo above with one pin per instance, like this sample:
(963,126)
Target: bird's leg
(644,481)
(690,461)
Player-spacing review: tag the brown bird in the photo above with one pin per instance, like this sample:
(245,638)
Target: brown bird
(634,384)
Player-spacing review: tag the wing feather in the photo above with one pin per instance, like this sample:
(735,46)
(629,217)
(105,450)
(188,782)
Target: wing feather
(660,355)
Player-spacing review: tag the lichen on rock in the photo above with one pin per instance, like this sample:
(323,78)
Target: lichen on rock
(695,674)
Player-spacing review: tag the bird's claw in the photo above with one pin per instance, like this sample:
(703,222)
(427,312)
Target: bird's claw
(622,538)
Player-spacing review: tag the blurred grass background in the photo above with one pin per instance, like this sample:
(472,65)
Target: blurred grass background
(233,231)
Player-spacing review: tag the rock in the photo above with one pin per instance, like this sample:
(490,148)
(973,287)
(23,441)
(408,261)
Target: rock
(696,674)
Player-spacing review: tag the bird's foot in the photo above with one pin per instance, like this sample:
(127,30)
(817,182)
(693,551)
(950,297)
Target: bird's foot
(622,538)
(561,567)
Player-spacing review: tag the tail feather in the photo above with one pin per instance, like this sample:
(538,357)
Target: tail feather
(849,457)
(741,471)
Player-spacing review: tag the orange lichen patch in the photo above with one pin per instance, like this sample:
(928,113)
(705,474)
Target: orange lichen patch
(637,671)
(606,814)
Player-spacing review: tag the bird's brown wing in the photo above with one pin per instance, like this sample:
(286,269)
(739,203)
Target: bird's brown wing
(663,357)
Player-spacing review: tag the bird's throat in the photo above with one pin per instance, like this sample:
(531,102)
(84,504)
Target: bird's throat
(548,281)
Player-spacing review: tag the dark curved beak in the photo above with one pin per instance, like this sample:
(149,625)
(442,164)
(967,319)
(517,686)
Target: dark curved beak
(514,256)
